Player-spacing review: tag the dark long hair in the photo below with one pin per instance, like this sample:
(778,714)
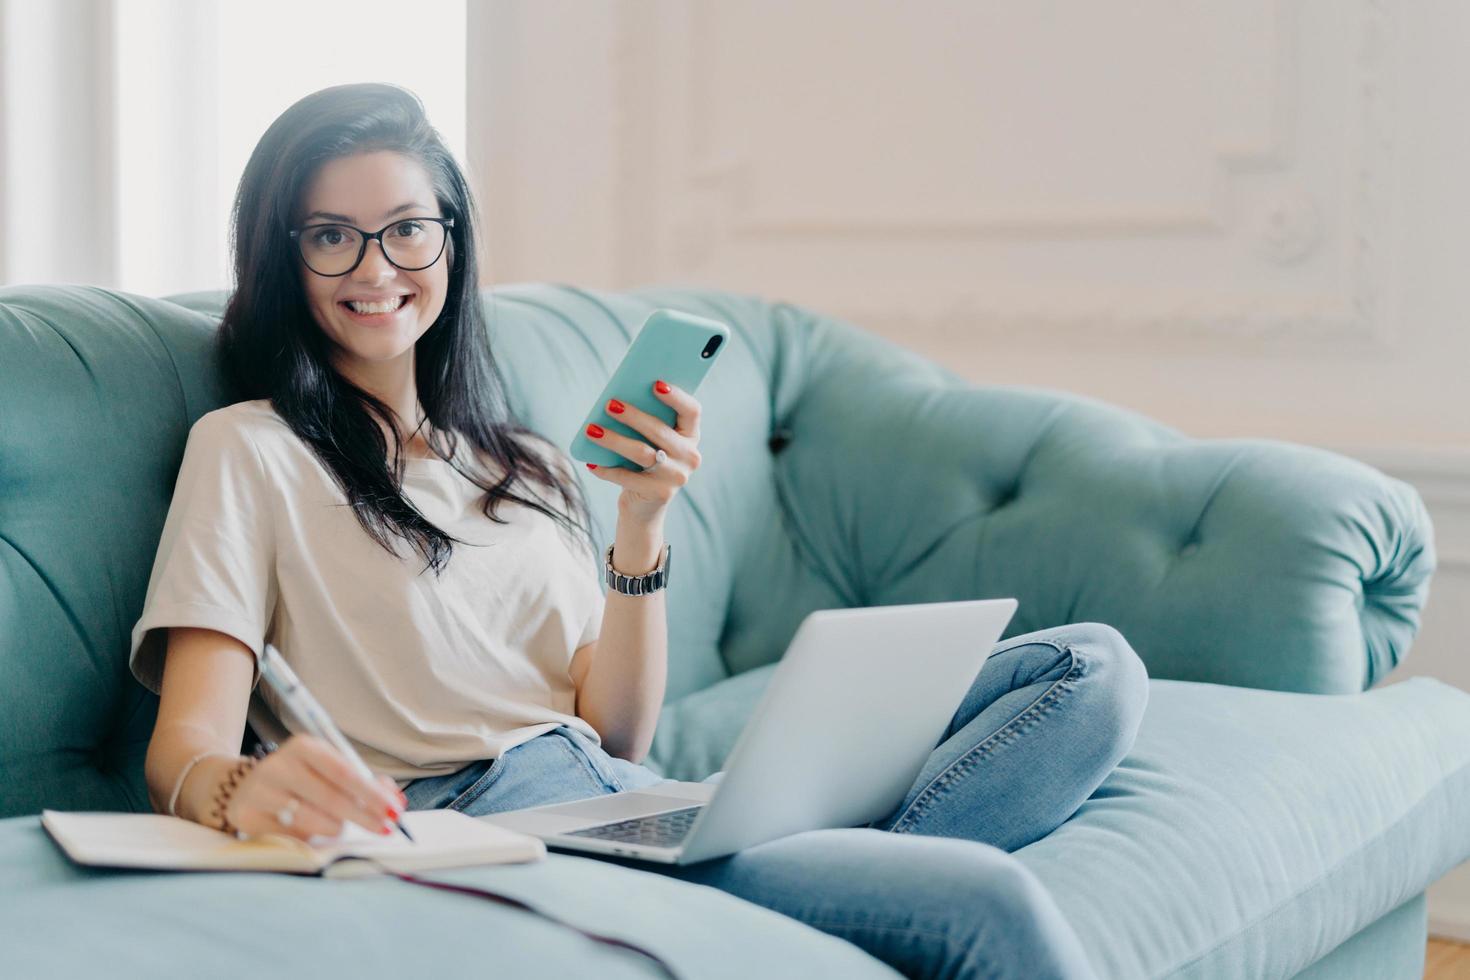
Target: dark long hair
(270,345)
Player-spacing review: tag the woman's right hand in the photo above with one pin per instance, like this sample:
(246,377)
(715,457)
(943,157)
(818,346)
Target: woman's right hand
(329,789)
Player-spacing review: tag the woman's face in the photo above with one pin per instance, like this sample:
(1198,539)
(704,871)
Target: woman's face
(368,190)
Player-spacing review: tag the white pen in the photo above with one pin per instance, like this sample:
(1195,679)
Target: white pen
(278,674)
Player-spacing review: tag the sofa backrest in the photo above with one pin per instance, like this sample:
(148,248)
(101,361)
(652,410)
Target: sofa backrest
(839,470)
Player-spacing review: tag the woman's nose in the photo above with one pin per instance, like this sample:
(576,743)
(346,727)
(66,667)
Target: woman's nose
(374,263)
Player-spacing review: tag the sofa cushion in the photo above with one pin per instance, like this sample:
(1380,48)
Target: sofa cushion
(1249,833)
(62,919)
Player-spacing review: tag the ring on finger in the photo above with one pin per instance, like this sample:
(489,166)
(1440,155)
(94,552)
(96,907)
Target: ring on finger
(287,814)
(658,457)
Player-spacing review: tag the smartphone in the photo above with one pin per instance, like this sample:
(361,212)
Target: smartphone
(678,347)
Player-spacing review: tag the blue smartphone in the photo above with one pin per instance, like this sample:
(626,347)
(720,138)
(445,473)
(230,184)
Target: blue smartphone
(678,347)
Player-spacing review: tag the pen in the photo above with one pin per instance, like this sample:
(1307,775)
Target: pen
(278,674)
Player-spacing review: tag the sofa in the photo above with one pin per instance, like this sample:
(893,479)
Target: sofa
(1280,815)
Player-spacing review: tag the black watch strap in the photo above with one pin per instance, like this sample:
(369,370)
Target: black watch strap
(638,584)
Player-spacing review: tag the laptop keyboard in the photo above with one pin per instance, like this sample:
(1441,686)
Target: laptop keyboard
(659,830)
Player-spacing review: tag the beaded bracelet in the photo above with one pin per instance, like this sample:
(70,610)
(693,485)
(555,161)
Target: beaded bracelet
(227,786)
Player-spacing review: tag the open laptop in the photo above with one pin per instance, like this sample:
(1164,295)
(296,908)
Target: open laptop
(851,712)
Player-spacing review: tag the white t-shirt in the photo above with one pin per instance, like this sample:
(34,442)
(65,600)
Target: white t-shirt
(422,674)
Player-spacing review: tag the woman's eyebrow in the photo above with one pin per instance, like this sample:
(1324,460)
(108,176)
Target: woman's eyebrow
(330,216)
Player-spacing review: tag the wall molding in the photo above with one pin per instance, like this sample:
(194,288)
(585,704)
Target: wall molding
(731,174)
(1355,320)
(658,51)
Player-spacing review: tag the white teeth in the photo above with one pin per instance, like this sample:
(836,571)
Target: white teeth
(387,306)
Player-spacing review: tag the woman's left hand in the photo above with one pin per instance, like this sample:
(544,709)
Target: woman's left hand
(645,496)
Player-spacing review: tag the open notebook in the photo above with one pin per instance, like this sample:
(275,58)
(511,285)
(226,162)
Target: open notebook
(442,839)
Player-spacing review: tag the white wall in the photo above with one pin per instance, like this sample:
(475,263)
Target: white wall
(1245,218)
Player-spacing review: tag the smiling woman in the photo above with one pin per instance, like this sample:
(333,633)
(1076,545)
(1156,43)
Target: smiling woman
(368,413)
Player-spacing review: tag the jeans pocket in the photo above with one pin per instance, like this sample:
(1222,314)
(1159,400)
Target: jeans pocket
(479,786)
(593,756)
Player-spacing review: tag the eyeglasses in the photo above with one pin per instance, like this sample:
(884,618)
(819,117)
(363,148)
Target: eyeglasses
(336,249)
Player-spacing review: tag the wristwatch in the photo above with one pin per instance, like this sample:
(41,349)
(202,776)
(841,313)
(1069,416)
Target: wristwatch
(638,584)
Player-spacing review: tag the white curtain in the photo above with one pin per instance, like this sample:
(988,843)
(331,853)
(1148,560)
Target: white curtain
(106,133)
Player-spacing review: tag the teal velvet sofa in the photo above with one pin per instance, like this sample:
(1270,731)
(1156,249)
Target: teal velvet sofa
(1280,815)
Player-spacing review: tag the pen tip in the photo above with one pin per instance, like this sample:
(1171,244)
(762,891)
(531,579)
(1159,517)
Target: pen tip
(405,833)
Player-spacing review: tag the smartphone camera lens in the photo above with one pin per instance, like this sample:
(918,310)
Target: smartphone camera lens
(709,348)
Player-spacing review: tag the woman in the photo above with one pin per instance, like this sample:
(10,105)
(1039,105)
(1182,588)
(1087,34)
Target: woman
(371,415)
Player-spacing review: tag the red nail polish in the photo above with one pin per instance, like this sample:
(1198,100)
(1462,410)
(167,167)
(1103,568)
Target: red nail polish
(592,466)
(661,387)
(615,406)
(594,430)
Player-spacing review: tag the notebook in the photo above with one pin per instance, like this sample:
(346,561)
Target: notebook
(442,839)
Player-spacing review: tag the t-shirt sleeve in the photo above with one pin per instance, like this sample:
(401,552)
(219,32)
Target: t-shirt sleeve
(215,566)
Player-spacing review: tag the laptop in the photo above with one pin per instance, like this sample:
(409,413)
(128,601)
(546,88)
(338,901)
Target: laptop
(847,720)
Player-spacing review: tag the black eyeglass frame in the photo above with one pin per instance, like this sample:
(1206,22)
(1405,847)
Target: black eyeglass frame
(368,236)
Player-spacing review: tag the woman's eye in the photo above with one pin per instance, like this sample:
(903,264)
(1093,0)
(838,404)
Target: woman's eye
(327,236)
(408,229)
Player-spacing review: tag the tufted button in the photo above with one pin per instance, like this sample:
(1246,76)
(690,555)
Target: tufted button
(1190,547)
(778,440)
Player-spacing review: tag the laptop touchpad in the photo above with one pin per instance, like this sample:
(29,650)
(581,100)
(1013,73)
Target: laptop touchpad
(619,806)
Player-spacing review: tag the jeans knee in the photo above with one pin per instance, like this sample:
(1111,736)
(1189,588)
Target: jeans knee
(1116,678)
(1110,657)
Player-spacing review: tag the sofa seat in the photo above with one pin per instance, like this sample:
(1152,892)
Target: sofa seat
(1249,833)
(67,920)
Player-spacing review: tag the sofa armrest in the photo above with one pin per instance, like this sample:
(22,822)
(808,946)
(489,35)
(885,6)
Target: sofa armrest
(1248,562)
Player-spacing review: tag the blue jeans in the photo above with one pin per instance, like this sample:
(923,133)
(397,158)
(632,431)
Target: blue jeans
(930,888)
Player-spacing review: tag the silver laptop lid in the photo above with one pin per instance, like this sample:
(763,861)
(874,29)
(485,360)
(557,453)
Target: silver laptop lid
(852,711)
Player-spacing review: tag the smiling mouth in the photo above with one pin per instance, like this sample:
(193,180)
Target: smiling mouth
(402,302)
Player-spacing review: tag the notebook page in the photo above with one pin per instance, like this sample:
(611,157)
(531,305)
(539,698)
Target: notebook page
(156,840)
(442,839)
